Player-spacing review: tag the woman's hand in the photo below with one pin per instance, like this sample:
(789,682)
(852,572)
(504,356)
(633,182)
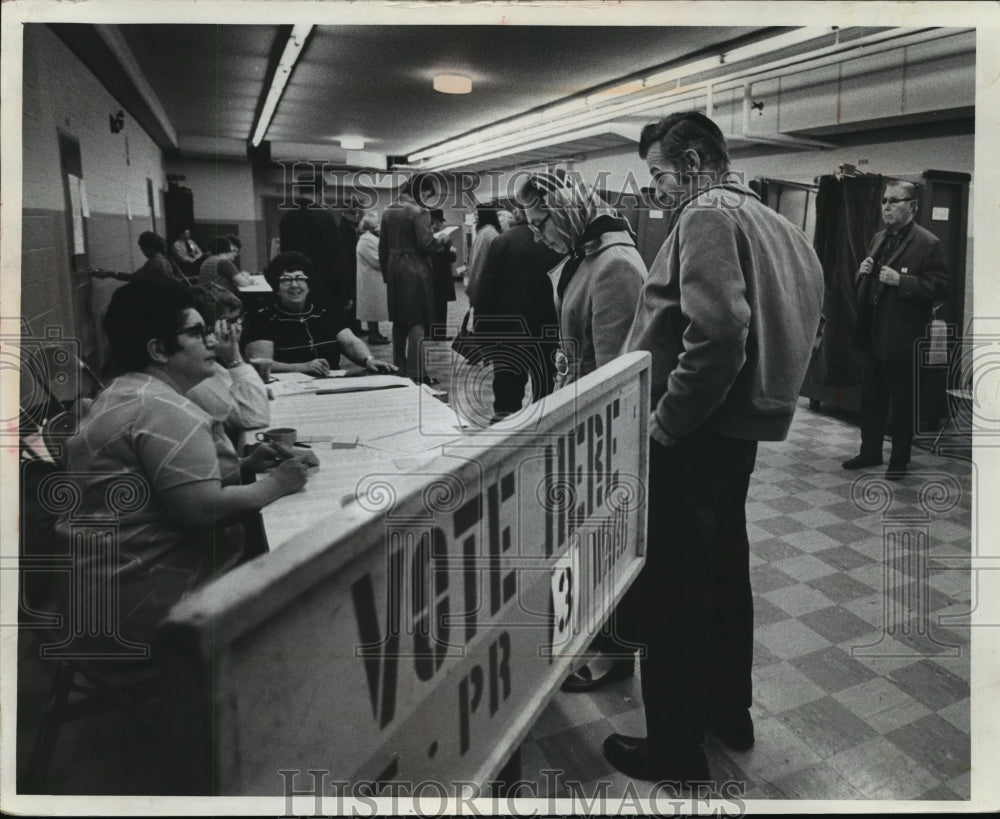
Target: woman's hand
(318,366)
(290,475)
(264,456)
(227,343)
(374,365)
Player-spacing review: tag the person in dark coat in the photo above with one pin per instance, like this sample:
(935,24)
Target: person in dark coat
(406,244)
(516,294)
(312,230)
(899,280)
(444,284)
(348,227)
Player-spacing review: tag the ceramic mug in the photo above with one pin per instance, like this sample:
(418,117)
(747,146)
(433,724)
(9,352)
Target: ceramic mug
(279,435)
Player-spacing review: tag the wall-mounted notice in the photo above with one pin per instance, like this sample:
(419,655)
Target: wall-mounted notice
(76,211)
(939,214)
(655,214)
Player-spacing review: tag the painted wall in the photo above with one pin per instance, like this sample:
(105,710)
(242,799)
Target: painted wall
(61,96)
(223,192)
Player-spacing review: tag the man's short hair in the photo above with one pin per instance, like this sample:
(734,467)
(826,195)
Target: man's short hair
(680,132)
(437,214)
(144,310)
(150,242)
(908,188)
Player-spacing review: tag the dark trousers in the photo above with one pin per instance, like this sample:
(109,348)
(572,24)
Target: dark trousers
(695,606)
(886,383)
(511,375)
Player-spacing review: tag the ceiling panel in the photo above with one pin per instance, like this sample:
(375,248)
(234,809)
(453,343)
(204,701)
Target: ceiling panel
(375,81)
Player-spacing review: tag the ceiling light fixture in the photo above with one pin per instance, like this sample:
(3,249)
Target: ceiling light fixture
(629,98)
(352,143)
(291,54)
(452,83)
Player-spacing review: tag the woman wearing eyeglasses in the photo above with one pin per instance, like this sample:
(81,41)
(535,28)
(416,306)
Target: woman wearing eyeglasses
(298,334)
(597,290)
(179,526)
(598,285)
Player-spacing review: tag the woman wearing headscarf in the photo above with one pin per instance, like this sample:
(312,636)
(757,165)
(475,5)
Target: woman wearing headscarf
(597,290)
(598,285)
(487,230)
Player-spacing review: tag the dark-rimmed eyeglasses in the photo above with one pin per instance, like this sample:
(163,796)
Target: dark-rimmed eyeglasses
(197,331)
(892,200)
(293,280)
(541,223)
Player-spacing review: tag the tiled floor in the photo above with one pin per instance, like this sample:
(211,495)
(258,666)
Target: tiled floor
(860,691)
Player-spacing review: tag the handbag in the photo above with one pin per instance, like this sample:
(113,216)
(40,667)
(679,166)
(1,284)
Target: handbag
(470,347)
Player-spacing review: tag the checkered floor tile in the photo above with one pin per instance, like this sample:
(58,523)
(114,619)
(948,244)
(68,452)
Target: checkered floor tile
(861,689)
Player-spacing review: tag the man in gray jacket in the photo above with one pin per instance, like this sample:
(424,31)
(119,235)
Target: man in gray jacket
(729,312)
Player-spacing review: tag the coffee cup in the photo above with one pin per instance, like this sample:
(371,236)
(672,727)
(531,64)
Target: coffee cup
(285,436)
(263,367)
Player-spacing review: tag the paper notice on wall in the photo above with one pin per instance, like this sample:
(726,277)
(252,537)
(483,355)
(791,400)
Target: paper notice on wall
(939,214)
(76,208)
(84,206)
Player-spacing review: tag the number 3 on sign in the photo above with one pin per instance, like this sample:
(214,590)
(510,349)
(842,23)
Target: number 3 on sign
(565,597)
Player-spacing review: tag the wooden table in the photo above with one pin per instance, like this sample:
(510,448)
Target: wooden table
(419,610)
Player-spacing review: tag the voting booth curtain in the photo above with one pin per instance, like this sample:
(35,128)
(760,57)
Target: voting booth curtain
(847,216)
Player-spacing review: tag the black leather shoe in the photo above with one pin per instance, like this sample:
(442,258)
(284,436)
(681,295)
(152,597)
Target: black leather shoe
(861,461)
(633,757)
(895,472)
(582,680)
(734,730)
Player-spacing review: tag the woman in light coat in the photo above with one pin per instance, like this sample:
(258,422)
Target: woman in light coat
(373,301)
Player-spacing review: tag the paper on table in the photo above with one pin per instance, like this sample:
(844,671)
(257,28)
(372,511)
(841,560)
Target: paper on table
(369,415)
(258,285)
(304,384)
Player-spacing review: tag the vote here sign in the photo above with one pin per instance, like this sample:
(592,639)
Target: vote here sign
(424,642)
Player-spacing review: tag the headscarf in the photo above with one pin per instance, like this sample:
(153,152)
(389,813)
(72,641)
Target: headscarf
(580,217)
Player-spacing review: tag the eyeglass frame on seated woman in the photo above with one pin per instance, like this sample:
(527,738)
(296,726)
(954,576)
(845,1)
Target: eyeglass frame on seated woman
(285,278)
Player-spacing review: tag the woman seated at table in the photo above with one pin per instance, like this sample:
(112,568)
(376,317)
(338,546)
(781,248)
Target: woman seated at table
(220,266)
(234,394)
(299,335)
(181,526)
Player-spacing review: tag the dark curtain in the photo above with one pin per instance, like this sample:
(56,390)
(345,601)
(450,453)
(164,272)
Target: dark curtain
(848,215)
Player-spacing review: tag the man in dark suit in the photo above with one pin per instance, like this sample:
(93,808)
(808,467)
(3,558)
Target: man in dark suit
(898,283)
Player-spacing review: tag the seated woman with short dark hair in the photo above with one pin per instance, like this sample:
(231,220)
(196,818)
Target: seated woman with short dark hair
(298,334)
(142,425)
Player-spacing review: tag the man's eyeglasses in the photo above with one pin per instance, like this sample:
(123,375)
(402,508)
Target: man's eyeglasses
(293,280)
(894,201)
(197,331)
